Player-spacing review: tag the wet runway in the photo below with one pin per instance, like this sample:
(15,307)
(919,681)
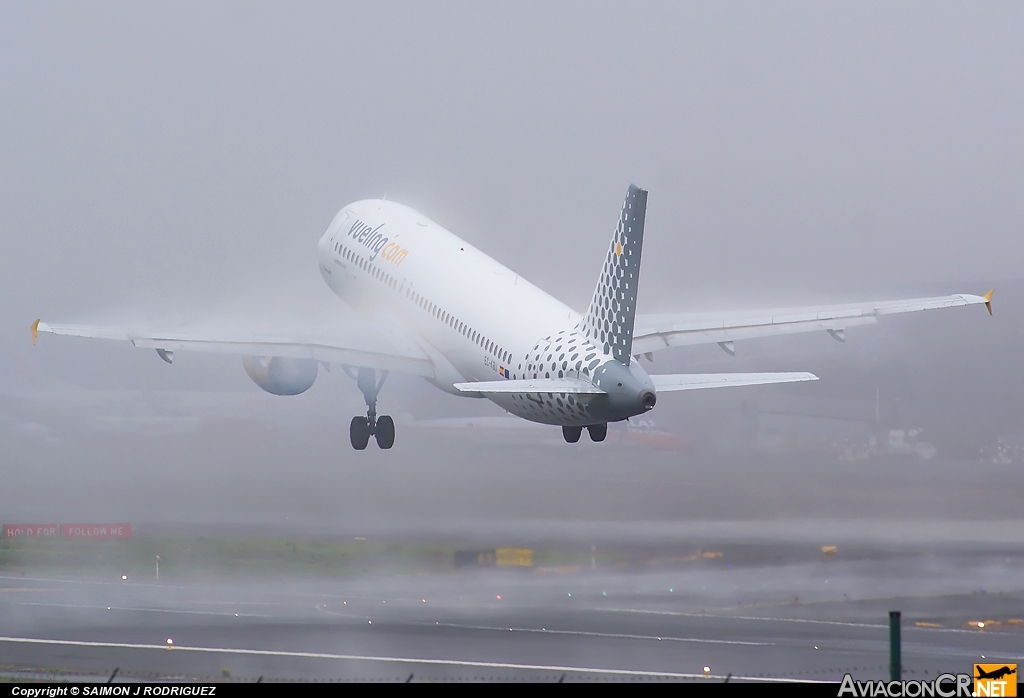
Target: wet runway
(721,559)
(774,610)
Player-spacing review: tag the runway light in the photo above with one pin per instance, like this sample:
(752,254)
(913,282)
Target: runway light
(370,622)
(344,603)
(498,597)
(108,608)
(815,647)
(236,615)
(980,624)
(707,670)
(124,577)
(423,600)
(170,643)
(569,594)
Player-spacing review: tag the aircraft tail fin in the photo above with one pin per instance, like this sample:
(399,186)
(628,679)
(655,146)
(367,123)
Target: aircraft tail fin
(608,322)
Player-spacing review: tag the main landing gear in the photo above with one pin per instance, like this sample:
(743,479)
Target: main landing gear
(597,433)
(362,428)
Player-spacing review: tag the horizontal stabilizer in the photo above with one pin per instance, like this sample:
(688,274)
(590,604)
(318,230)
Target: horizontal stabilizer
(696,381)
(573,386)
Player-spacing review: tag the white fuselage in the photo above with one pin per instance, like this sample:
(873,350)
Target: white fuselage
(474,318)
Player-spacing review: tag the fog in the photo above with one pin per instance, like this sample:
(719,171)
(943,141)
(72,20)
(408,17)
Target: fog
(173,166)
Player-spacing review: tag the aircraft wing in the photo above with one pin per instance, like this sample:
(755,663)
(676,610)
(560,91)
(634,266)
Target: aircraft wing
(327,348)
(696,381)
(654,332)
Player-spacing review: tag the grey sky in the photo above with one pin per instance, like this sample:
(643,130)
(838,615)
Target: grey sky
(186,155)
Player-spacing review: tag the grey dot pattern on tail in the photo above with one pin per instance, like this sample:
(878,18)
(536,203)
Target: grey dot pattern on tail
(609,320)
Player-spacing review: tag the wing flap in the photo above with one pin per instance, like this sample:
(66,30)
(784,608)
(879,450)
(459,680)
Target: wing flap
(654,332)
(668,383)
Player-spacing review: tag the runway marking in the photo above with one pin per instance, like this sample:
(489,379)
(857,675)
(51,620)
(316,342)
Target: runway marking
(25,589)
(397,660)
(596,634)
(148,610)
(147,585)
(784,620)
(726,617)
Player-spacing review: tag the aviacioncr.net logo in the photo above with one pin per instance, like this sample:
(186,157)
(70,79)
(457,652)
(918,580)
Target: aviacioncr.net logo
(944,686)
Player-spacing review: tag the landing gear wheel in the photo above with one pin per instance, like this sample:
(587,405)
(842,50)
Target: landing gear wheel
(362,428)
(598,431)
(571,434)
(385,432)
(359,433)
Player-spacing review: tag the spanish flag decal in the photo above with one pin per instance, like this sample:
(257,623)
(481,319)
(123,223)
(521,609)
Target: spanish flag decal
(502,372)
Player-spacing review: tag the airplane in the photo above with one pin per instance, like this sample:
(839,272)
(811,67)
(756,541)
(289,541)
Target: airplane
(994,674)
(445,311)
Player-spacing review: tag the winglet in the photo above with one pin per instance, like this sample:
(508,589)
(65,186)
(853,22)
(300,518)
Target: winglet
(988,301)
(35,331)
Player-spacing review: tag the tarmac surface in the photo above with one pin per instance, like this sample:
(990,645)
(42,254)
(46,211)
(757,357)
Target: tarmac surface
(771,610)
(939,540)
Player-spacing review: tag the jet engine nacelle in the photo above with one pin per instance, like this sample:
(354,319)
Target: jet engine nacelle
(281,376)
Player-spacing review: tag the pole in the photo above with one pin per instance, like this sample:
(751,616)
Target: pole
(895,668)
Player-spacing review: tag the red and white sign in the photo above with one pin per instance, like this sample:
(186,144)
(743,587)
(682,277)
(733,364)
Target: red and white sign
(121,530)
(31,530)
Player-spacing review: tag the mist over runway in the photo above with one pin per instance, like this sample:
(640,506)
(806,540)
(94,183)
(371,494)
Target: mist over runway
(771,611)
